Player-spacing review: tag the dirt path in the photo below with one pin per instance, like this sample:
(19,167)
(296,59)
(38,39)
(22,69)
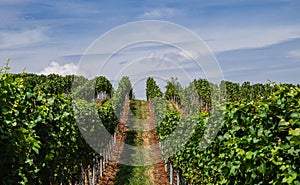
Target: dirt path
(136,128)
(157,171)
(112,169)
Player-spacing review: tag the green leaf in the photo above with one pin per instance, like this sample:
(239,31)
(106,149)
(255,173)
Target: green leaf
(249,155)
(262,168)
(290,179)
(282,122)
(294,115)
(29,161)
(295,132)
(35,149)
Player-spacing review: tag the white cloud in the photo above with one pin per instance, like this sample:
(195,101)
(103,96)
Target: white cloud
(14,39)
(226,39)
(160,13)
(295,53)
(63,70)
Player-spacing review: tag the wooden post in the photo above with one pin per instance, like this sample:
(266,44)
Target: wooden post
(93,171)
(81,175)
(171,173)
(178,177)
(101,165)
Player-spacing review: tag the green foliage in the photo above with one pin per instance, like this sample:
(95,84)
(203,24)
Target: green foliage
(108,117)
(19,140)
(49,84)
(89,90)
(152,90)
(85,91)
(122,94)
(203,88)
(40,140)
(173,91)
(103,87)
(259,143)
(61,140)
(168,124)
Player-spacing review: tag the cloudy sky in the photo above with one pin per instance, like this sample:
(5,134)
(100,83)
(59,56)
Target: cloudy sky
(252,40)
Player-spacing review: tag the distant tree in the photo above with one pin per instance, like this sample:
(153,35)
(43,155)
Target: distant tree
(103,88)
(152,89)
(173,89)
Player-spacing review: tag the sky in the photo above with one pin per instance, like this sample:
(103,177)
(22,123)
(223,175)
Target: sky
(251,40)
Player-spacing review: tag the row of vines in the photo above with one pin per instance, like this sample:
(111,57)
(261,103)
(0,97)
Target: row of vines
(41,142)
(248,135)
(226,134)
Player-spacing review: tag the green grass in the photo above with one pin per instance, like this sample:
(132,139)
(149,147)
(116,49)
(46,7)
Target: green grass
(134,175)
(139,108)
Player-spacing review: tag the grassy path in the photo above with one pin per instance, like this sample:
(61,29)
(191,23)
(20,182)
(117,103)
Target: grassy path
(135,175)
(138,130)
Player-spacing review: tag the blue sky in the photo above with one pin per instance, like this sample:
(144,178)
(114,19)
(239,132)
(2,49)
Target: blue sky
(255,40)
